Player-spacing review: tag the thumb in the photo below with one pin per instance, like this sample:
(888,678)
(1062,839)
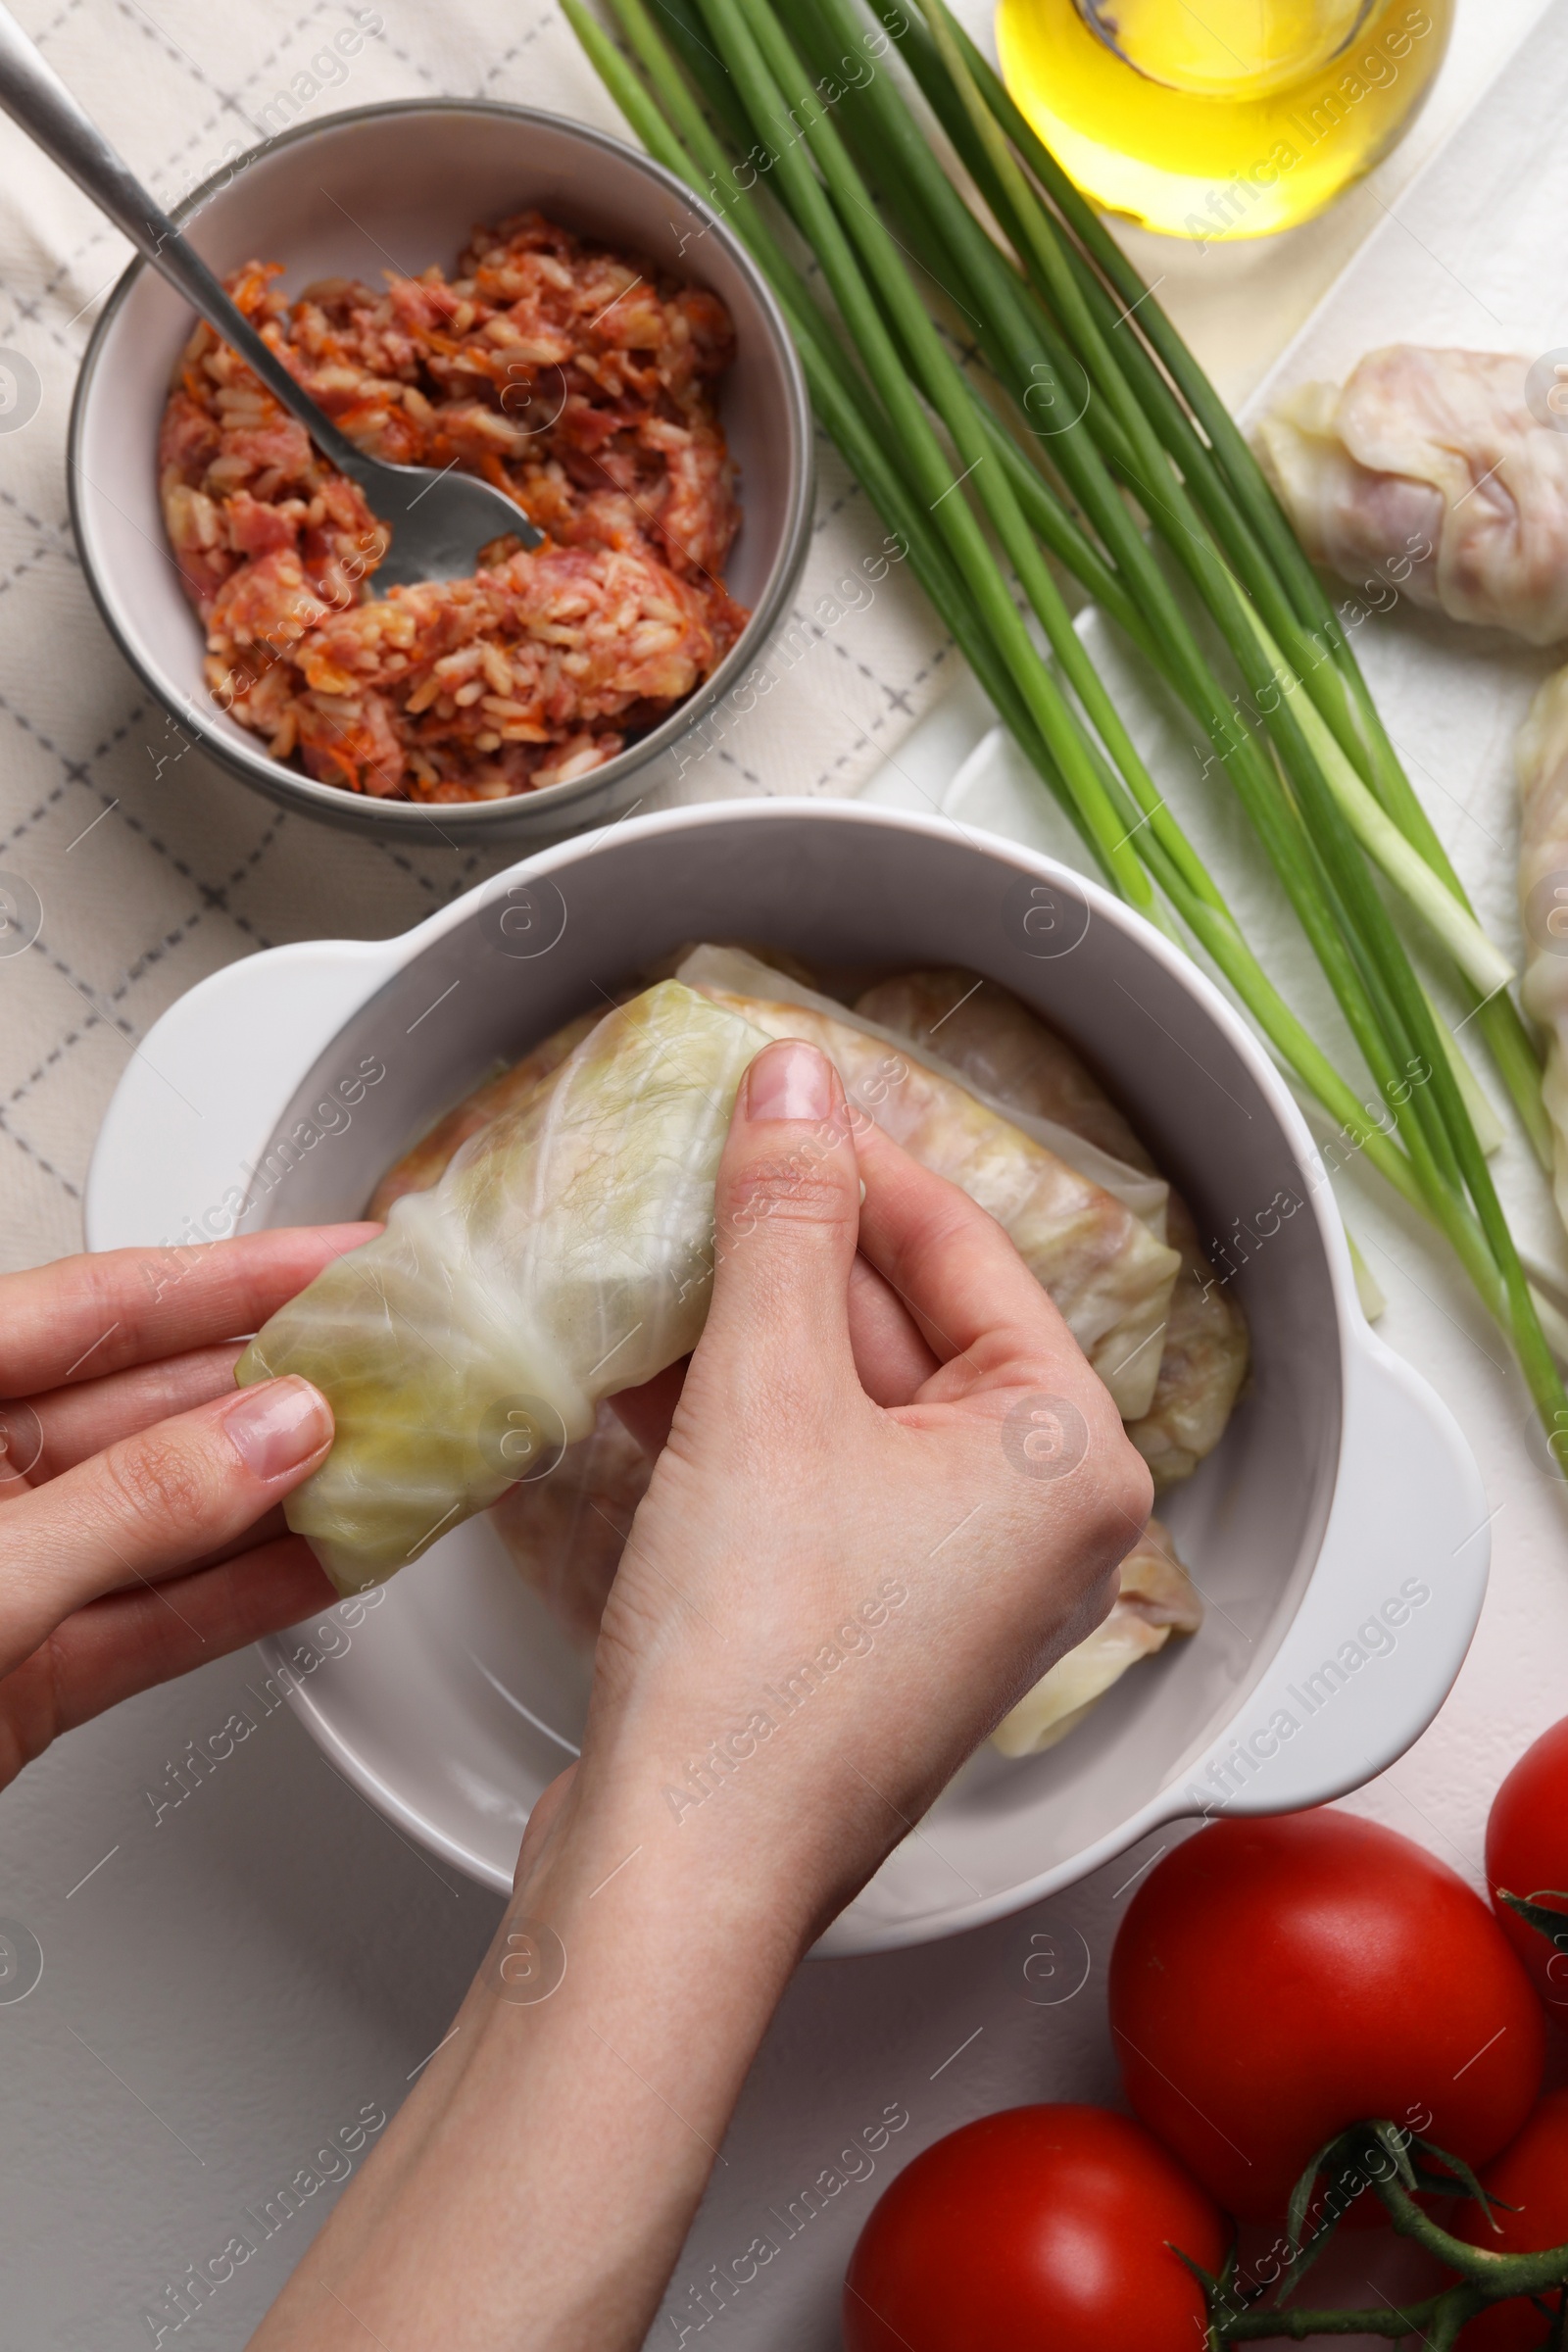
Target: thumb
(787,1214)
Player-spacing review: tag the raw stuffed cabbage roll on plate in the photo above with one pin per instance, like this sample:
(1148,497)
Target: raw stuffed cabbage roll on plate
(549,1244)
(1440,475)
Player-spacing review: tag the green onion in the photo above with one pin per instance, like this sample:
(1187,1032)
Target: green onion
(955,249)
(1229,483)
(1378,834)
(1202,908)
(1315,772)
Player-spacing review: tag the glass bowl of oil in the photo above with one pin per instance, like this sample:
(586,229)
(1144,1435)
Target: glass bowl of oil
(1228,120)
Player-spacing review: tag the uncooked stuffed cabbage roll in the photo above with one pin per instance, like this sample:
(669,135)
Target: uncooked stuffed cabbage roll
(1428,473)
(1006,1051)
(995,1042)
(1541,754)
(1156,1600)
(1085,1249)
(565,1531)
(563,1257)
(427,1160)
(1109,1274)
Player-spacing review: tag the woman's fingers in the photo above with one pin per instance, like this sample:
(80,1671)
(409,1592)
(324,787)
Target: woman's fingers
(153,1502)
(954,1269)
(127,1641)
(74,1423)
(891,1357)
(997,1330)
(87,1316)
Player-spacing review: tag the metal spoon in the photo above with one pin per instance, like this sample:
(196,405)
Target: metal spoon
(439,520)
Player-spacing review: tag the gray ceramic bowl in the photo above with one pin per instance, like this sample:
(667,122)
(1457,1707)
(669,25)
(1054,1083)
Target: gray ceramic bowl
(410,181)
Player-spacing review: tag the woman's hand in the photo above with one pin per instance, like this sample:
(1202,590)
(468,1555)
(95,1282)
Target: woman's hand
(139,1528)
(892,1492)
(891,1495)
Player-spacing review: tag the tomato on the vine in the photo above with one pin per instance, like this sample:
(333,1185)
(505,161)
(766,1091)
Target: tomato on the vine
(1041,2225)
(1527,1852)
(1277,1980)
(1531,2174)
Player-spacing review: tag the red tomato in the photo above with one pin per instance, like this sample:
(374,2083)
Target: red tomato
(1527,1851)
(1042,2225)
(1531,2173)
(1275,1981)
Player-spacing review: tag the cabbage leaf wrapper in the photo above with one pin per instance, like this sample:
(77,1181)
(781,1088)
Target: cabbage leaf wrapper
(427,1161)
(1130,1177)
(1107,1273)
(564,1254)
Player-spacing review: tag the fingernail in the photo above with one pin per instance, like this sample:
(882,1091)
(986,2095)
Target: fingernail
(791,1080)
(277,1425)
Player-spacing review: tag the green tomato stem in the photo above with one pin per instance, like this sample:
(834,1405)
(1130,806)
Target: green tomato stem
(1361,2155)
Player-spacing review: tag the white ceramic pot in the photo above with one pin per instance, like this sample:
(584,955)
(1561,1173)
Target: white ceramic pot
(339,198)
(1338,1535)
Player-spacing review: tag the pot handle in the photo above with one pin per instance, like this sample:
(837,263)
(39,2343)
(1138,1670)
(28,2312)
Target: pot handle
(205,1089)
(1383,1624)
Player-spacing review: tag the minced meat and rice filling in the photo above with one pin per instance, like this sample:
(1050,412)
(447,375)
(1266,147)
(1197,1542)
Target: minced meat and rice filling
(559,372)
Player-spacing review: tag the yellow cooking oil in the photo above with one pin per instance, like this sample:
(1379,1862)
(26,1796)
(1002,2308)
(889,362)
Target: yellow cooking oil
(1216,119)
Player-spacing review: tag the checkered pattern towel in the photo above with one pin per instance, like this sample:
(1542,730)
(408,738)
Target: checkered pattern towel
(150,868)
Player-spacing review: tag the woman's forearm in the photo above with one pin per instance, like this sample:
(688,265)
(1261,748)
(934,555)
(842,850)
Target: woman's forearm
(826,1600)
(538,2183)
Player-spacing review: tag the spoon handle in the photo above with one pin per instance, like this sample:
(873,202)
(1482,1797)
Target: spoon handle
(32,93)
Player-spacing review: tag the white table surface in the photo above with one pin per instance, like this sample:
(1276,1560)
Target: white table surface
(229,1981)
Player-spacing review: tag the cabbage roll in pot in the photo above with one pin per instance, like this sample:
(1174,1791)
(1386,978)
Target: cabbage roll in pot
(1156,1600)
(430,1157)
(550,1241)
(566,1253)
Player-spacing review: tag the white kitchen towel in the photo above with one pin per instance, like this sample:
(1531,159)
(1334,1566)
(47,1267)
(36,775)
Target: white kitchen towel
(149,866)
